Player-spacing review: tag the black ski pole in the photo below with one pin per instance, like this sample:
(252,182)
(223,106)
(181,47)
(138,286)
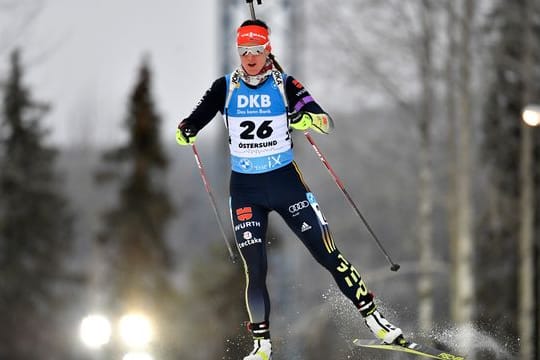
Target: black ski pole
(252,9)
(212,200)
(339,183)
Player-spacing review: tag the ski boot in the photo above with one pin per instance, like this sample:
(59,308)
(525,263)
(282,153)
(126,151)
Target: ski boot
(377,323)
(262,347)
(262,350)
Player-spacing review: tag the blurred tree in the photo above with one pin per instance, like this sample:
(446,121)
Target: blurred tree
(514,81)
(35,229)
(462,243)
(527,309)
(426,71)
(134,230)
(450,103)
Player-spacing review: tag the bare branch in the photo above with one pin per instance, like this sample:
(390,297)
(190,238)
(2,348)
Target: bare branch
(18,16)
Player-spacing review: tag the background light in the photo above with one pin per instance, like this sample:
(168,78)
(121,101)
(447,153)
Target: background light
(531,115)
(137,356)
(95,331)
(135,330)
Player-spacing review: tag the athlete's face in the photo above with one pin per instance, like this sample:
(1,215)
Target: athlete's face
(252,62)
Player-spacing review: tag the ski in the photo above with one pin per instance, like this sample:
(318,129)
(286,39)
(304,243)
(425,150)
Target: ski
(408,347)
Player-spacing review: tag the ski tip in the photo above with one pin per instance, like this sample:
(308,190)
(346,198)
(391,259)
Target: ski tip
(408,347)
(367,342)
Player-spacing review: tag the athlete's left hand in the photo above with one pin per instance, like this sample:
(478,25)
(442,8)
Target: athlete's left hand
(303,120)
(300,120)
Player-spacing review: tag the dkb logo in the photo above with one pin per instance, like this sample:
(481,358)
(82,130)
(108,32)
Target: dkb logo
(254,101)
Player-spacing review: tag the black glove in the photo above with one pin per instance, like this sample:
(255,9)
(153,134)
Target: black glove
(185,134)
(300,120)
(295,117)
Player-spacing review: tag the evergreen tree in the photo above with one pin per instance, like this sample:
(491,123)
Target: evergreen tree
(134,230)
(502,129)
(35,228)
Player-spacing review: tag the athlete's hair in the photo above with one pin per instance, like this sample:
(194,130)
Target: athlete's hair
(255,22)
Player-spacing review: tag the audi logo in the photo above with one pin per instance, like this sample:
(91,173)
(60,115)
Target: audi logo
(298,206)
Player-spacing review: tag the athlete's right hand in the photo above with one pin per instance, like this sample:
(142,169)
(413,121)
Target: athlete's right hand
(185,134)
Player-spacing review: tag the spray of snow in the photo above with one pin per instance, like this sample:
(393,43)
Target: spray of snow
(466,340)
(470,341)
